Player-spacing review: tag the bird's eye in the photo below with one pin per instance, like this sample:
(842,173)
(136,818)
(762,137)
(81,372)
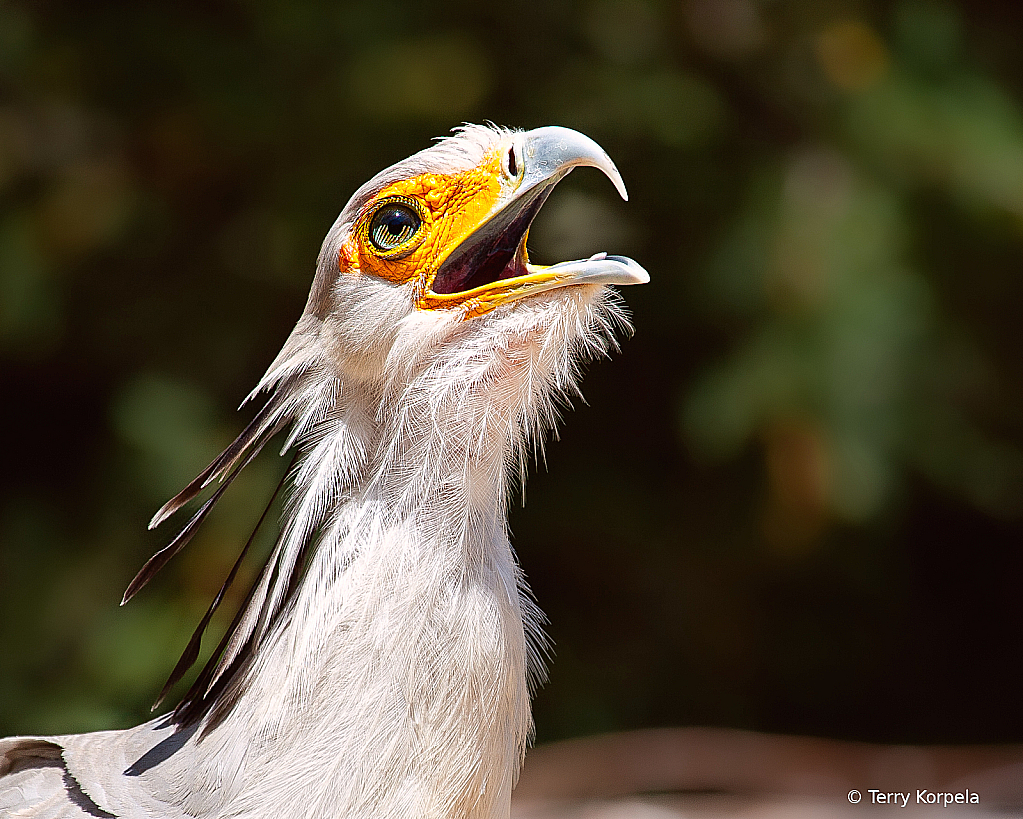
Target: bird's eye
(393,225)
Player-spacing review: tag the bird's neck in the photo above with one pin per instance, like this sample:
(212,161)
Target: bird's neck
(401,658)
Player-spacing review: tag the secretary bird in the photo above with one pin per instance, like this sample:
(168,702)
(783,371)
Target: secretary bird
(382,663)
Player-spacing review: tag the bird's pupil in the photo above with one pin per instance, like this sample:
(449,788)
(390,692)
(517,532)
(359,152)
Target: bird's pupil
(392,226)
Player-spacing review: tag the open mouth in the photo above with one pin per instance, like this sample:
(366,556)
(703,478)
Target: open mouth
(490,266)
(495,251)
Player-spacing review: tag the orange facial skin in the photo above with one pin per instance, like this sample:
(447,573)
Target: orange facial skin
(451,207)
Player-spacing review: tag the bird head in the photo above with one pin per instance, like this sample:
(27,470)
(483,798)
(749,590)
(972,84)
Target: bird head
(435,247)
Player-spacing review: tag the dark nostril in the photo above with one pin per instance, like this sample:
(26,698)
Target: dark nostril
(513,168)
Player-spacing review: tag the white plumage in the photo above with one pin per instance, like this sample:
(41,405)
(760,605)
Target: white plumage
(382,664)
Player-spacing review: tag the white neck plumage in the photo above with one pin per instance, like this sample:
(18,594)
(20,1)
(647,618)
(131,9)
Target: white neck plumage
(402,657)
(391,638)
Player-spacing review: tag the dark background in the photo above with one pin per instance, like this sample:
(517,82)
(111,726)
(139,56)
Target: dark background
(793,502)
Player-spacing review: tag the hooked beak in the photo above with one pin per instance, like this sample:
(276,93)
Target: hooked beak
(491,267)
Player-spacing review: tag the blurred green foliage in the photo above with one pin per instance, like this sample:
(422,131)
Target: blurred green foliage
(793,502)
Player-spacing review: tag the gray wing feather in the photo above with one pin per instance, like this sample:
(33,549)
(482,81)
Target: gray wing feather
(35,783)
(93,776)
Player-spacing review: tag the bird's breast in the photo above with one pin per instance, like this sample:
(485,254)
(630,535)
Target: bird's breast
(409,664)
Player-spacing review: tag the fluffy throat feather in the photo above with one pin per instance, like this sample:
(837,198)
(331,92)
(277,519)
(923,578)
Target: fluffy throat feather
(437,439)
